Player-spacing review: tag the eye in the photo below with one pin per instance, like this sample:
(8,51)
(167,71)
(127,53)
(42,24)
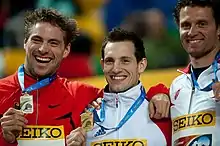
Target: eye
(185,25)
(108,61)
(36,40)
(202,24)
(54,43)
(125,61)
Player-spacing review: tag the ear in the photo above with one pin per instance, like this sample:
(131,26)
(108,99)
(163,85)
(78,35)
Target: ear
(102,63)
(142,65)
(66,51)
(24,44)
(218,33)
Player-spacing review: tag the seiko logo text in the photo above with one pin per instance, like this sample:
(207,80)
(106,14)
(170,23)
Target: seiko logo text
(201,119)
(43,132)
(125,142)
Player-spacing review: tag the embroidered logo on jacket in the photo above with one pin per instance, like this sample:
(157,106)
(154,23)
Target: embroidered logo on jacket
(120,142)
(177,94)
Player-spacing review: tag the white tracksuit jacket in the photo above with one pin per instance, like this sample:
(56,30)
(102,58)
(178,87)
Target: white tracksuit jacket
(137,131)
(195,114)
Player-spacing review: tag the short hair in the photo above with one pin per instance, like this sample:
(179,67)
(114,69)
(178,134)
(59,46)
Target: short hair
(119,35)
(52,16)
(213,4)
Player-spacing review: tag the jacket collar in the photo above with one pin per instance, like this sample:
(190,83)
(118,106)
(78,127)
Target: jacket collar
(128,96)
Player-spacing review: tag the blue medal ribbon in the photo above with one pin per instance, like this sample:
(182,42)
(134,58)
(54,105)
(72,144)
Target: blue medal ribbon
(35,86)
(215,69)
(127,116)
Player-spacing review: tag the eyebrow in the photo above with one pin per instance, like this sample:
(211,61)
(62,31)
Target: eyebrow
(50,40)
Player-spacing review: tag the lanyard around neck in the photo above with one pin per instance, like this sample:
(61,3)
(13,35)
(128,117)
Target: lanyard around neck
(215,69)
(127,116)
(35,86)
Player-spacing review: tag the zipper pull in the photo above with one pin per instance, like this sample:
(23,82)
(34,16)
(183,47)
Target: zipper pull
(116,101)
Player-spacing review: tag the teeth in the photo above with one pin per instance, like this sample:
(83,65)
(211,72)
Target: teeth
(118,78)
(194,41)
(43,59)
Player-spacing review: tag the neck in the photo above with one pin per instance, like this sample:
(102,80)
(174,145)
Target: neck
(33,75)
(205,60)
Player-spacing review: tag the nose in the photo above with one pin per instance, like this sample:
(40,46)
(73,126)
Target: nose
(44,48)
(192,31)
(116,67)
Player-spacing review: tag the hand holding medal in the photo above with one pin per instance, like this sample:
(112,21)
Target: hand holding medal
(87,120)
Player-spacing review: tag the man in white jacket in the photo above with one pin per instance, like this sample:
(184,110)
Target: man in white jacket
(123,118)
(195,94)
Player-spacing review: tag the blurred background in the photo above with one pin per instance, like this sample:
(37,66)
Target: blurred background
(151,19)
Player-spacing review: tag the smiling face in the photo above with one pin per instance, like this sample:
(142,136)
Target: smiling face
(45,50)
(198,30)
(120,67)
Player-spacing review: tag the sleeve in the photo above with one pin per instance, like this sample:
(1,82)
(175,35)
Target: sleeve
(165,126)
(159,88)
(83,95)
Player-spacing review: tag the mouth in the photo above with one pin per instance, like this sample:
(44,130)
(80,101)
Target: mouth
(43,59)
(194,41)
(118,78)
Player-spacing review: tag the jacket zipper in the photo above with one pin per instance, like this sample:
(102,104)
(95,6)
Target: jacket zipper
(116,101)
(37,106)
(190,102)
(118,114)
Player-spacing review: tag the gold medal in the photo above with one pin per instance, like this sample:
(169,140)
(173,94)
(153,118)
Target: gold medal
(87,120)
(26,103)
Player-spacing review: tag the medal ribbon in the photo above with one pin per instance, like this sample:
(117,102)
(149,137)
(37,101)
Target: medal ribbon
(215,69)
(35,86)
(127,116)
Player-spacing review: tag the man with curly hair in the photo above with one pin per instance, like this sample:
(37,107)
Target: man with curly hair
(55,104)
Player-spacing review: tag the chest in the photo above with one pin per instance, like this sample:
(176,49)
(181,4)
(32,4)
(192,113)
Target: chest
(187,99)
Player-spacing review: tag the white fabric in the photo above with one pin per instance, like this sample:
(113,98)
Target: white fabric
(195,105)
(138,127)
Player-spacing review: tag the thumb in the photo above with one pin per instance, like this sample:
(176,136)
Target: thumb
(84,143)
(151,109)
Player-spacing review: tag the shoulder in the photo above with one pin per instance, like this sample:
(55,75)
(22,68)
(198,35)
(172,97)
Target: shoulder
(9,83)
(76,87)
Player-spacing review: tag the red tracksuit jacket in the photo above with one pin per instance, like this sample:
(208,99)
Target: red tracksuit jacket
(59,103)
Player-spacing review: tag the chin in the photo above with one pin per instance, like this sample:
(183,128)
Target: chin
(41,74)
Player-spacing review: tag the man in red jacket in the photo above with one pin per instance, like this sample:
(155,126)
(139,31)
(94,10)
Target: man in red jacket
(37,106)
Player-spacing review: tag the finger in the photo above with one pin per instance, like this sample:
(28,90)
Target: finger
(167,110)
(16,117)
(11,111)
(78,135)
(165,106)
(84,143)
(74,143)
(99,101)
(12,123)
(158,107)
(151,109)
(95,105)
(12,128)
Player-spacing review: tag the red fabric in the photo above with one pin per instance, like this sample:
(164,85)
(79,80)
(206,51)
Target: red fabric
(165,126)
(159,88)
(75,65)
(68,97)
